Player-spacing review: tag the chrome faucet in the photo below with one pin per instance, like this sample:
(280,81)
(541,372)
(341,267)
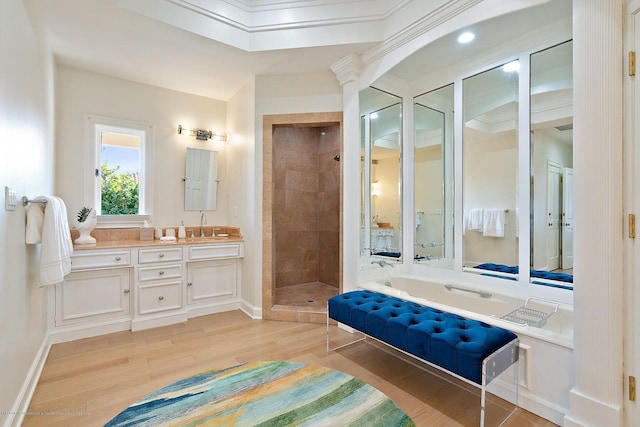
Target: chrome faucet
(382,263)
(203,221)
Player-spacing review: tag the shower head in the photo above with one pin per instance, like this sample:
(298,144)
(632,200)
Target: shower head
(336,157)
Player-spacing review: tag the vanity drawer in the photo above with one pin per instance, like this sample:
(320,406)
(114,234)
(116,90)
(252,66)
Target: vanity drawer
(82,261)
(160,272)
(147,256)
(215,251)
(163,297)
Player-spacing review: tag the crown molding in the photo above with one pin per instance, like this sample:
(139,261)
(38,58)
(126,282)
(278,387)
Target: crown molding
(347,69)
(273,24)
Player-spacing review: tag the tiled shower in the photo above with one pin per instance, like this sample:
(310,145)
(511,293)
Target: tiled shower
(306,215)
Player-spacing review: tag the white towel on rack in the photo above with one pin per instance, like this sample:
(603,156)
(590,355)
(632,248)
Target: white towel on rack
(493,223)
(475,219)
(35,221)
(55,255)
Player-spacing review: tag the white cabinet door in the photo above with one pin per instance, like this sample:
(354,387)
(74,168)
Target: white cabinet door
(159,297)
(211,281)
(93,295)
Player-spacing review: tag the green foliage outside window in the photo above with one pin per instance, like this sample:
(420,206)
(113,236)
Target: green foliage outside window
(119,191)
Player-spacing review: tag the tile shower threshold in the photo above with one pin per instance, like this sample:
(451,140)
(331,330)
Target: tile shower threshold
(281,307)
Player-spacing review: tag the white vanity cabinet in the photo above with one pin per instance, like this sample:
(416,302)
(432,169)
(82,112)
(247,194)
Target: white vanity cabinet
(212,278)
(159,287)
(96,295)
(110,290)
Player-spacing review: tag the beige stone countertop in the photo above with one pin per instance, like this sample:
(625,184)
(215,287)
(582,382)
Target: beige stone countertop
(133,243)
(130,238)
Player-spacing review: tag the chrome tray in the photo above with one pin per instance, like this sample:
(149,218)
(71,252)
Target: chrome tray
(526,315)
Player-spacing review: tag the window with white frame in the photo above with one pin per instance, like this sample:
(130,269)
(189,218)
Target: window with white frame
(119,163)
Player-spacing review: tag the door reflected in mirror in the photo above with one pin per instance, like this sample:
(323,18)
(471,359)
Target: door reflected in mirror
(490,172)
(433,187)
(552,166)
(201,180)
(381,176)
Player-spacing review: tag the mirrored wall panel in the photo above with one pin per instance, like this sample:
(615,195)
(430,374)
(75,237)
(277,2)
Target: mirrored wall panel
(433,172)
(552,167)
(381,149)
(490,172)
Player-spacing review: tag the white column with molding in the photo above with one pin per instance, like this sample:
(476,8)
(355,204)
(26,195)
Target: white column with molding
(347,71)
(597,396)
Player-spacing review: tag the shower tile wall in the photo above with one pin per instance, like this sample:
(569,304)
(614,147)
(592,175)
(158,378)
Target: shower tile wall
(306,205)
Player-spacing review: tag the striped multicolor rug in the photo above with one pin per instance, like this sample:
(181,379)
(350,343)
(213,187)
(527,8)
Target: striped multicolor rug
(266,394)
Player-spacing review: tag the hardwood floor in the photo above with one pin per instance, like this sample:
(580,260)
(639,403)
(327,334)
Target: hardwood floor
(87,382)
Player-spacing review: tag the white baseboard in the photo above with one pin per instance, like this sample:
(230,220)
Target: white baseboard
(587,411)
(165,319)
(203,310)
(77,332)
(541,407)
(251,311)
(21,405)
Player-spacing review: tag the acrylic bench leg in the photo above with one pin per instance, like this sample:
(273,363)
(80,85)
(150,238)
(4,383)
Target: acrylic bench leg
(358,334)
(501,369)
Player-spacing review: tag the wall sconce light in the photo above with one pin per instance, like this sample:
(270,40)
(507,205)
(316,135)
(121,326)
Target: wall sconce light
(375,189)
(201,134)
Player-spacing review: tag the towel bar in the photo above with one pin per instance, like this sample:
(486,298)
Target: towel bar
(26,201)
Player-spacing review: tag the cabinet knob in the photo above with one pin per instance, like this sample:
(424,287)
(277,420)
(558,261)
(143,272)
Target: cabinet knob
(160,298)
(118,258)
(161,255)
(126,291)
(189,283)
(161,272)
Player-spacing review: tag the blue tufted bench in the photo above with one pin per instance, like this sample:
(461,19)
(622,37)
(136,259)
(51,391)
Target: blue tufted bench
(452,343)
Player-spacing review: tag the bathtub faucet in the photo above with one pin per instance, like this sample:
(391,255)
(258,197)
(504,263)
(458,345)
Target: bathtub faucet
(382,263)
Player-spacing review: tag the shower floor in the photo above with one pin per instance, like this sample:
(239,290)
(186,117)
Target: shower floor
(311,296)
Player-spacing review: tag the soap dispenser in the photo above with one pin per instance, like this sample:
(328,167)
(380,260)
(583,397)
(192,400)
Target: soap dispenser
(182,233)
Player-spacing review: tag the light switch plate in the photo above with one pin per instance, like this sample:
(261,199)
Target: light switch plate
(9,198)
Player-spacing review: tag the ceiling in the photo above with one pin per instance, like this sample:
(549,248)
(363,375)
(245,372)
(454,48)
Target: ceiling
(214,47)
(104,37)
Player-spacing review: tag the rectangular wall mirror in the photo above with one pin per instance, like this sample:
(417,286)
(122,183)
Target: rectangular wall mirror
(201,180)
(433,187)
(381,175)
(552,166)
(490,171)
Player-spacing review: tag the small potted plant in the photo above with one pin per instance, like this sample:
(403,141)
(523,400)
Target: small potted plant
(86,224)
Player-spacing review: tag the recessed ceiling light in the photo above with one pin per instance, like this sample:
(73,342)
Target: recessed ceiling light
(466,37)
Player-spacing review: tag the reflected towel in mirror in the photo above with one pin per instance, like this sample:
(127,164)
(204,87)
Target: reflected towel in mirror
(493,223)
(473,220)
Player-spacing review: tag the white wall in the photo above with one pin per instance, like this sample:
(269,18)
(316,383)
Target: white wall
(241,177)
(282,94)
(26,164)
(80,92)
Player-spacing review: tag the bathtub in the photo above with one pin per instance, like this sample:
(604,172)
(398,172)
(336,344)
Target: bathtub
(474,303)
(545,352)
